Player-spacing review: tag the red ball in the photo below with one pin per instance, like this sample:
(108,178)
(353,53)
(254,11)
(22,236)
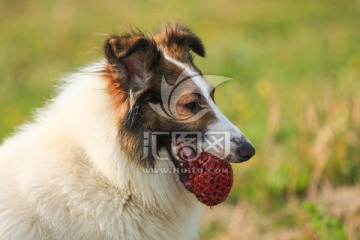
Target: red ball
(211,179)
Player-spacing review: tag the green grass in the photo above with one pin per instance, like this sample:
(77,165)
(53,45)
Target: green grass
(295,93)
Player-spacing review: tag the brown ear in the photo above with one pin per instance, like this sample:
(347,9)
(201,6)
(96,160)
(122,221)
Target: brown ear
(177,41)
(133,57)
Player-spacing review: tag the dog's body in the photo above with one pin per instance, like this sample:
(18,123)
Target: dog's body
(65,175)
(52,187)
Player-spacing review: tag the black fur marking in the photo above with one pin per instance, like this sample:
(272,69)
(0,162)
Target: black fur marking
(135,118)
(136,123)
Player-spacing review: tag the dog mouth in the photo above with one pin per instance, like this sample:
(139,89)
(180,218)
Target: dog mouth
(206,176)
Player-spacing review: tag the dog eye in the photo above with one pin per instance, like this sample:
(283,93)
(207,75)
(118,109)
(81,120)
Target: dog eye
(191,105)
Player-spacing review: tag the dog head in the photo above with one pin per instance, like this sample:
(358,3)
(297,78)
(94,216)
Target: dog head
(159,91)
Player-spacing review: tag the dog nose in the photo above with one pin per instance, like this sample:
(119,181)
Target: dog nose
(245,151)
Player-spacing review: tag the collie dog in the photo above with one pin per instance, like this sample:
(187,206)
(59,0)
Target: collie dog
(77,171)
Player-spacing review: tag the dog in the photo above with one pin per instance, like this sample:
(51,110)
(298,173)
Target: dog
(77,170)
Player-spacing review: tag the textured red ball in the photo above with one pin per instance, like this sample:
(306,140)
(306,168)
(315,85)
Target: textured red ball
(211,179)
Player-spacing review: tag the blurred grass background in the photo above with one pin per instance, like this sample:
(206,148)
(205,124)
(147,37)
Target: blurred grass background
(295,94)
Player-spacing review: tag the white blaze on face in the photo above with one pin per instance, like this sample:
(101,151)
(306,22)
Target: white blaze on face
(222,123)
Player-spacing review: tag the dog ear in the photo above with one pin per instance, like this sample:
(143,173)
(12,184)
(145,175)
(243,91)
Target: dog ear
(133,57)
(178,41)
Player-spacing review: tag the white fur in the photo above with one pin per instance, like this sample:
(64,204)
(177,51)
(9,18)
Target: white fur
(64,176)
